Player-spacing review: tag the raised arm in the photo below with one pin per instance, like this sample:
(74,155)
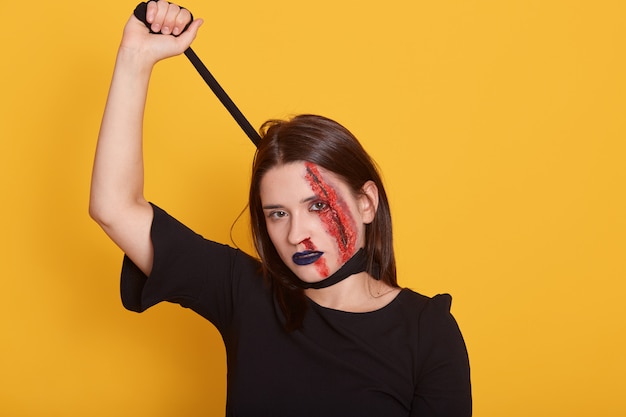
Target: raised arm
(117,202)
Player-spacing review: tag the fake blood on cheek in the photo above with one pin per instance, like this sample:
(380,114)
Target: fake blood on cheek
(336,218)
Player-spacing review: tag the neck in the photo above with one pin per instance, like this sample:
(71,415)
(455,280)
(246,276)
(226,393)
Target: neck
(358,293)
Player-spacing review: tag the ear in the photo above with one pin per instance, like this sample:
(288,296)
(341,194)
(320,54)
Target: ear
(368,201)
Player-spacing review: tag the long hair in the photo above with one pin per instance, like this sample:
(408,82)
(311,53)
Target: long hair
(326,143)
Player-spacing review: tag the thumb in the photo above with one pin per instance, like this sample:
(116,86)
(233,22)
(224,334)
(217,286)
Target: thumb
(190,34)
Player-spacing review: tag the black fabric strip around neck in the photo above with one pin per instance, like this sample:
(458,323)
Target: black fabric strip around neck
(356,264)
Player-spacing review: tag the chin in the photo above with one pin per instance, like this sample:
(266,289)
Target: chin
(309,273)
(310,279)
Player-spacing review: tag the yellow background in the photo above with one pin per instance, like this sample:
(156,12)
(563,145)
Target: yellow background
(500,128)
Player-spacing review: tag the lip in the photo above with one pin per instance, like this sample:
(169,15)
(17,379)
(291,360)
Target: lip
(306,257)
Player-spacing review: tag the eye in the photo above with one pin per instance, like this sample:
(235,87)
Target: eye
(318,206)
(277,214)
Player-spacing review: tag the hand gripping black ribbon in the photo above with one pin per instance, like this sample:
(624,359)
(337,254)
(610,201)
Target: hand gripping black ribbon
(140,13)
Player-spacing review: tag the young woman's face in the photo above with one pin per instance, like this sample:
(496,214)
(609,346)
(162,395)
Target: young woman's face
(313,219)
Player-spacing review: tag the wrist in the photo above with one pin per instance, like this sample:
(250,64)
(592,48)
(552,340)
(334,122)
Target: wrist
(134,60)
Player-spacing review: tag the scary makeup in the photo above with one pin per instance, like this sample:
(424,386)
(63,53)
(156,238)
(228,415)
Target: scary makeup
(312,218)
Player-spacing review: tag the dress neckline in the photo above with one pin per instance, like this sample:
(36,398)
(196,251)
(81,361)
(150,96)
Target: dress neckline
(381,309)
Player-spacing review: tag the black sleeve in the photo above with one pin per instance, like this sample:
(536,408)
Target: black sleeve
(189,270)
(443,388)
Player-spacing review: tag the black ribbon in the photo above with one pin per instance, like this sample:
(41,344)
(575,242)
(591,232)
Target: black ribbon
(140,13)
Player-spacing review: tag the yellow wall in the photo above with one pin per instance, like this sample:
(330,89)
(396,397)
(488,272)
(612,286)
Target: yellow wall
(500,127)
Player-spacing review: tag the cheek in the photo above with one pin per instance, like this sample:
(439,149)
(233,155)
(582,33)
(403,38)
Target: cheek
(273,233)
(339,224)
(337,219)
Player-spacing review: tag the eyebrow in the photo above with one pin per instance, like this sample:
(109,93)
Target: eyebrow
(272,207)
(278,206)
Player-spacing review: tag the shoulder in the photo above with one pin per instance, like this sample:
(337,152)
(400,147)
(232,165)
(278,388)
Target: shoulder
(415,302)
(431,321)
(169,229)
(427,314)
(181,252)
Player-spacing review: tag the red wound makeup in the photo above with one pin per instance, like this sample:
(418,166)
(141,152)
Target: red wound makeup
(337,220)
(320,263)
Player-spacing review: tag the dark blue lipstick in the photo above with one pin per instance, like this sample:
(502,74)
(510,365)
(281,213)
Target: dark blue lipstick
(306,257)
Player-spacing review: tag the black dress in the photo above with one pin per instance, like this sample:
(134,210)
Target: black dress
(405,359)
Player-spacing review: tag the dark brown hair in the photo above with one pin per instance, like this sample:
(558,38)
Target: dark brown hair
(326,143)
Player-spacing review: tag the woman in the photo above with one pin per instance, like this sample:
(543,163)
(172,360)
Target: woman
(317,326)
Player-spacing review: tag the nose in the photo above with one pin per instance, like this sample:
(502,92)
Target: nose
(298,230)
